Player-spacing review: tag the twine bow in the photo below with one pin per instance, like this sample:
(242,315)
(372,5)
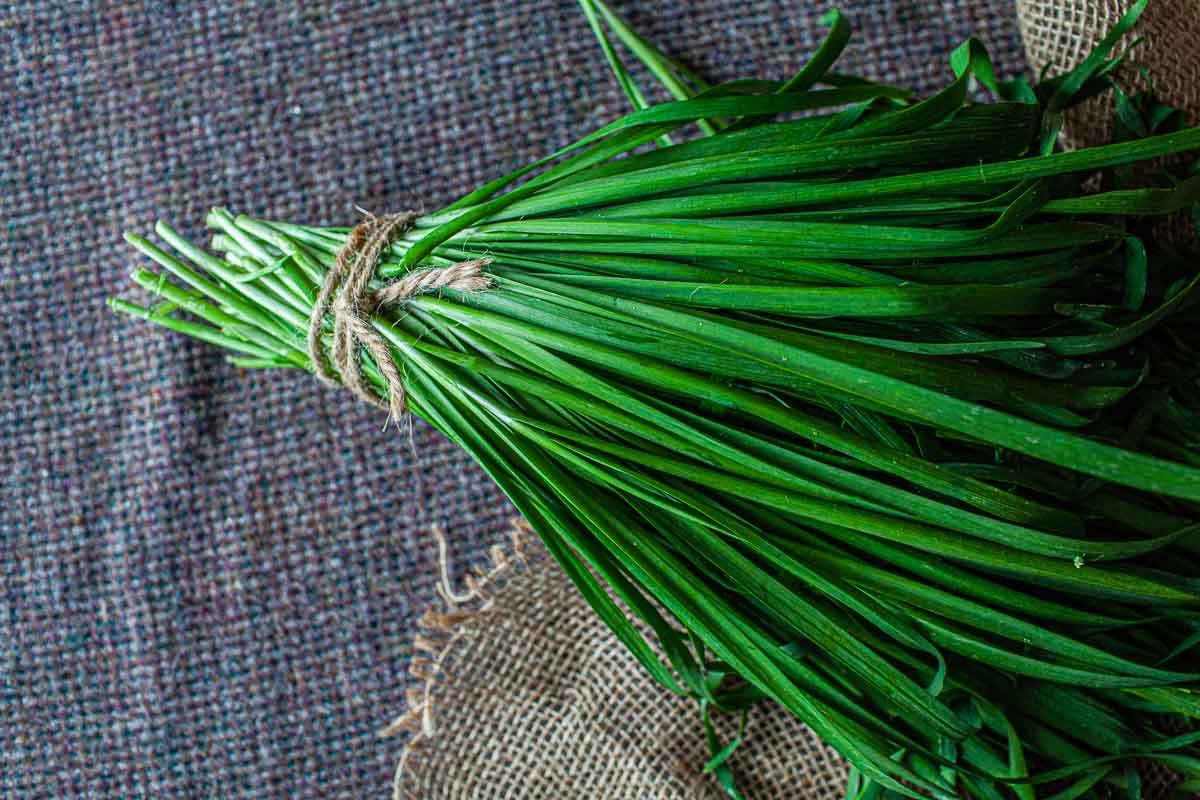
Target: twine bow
(347,293)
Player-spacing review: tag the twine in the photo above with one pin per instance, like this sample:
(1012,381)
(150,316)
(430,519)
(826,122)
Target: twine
(347,294)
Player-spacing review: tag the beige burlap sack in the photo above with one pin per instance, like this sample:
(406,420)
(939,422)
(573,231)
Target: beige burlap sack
(1060,33)
(526,694)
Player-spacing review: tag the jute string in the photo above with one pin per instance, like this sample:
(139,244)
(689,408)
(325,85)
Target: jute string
(348,295)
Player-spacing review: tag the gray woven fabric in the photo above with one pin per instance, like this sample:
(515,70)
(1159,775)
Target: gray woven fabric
(208,576)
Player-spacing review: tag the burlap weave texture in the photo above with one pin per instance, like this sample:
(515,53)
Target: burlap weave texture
(527,695)
(1058,35)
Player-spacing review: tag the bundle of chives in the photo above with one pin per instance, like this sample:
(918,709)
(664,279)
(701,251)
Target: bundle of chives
(872,411)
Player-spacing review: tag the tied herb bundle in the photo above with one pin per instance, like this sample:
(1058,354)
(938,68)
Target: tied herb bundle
(872,411)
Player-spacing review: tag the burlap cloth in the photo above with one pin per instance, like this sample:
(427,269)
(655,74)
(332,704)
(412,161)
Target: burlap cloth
(1165,43)
(526,694)
(1060,33)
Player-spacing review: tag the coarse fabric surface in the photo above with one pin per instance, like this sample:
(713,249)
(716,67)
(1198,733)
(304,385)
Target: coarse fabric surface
(1165,41)
(209,576)
(521,693)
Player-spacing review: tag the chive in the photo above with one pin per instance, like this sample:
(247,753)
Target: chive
(877,408)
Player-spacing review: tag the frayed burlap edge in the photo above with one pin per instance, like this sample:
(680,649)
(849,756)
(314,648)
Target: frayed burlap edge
(439,633)
(504,706)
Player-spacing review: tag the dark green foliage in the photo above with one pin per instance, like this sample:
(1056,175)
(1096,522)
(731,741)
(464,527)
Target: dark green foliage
(893,420)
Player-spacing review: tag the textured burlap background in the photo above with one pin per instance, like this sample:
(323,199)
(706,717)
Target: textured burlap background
(1060,33)
(526,694)
(209,576)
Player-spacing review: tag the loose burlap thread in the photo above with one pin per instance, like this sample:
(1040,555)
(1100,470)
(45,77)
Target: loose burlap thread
(524,693)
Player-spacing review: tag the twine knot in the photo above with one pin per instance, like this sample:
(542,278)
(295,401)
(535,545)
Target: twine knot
(347,294)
